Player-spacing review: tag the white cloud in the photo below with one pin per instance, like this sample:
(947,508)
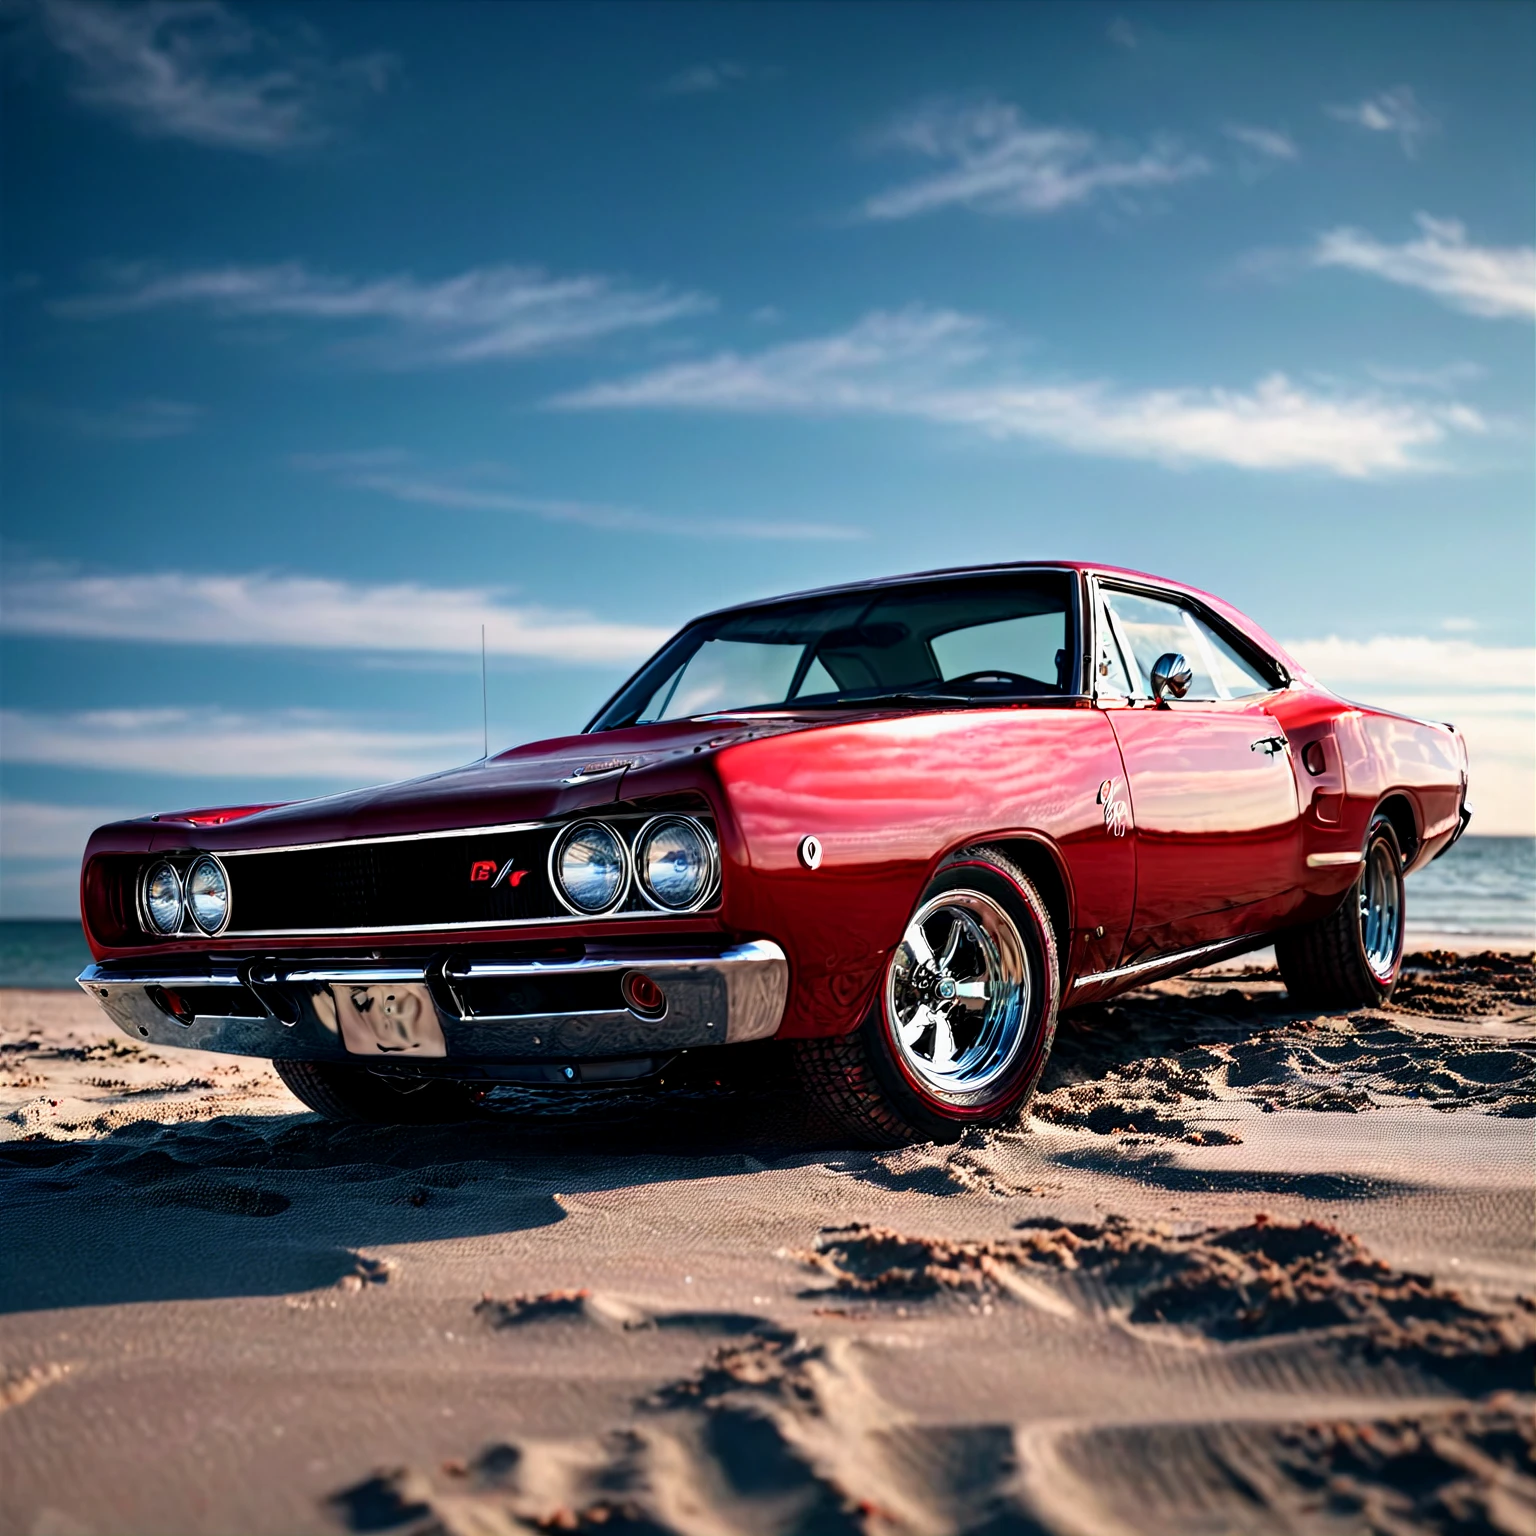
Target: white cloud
(294,744)
(31,829)
(199,71)
(1396,111)
(393,475)
(992,161)
(1447,377)
(1420,661)
(921,363)
(181,608)
(1265,141)
(486,312)
(134,421)
(1498,282)
(1487,692)
(704,79)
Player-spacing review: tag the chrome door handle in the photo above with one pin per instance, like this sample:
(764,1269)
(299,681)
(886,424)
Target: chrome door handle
(1269,745)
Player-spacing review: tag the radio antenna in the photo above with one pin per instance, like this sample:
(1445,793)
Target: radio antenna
(485,713)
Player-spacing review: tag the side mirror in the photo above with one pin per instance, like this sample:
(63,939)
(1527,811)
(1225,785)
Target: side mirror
(1170,675)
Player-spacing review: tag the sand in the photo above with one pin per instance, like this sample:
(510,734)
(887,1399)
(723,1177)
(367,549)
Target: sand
(1246,1269)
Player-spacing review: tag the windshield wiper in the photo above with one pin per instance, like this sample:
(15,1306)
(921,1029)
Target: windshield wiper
(886,698)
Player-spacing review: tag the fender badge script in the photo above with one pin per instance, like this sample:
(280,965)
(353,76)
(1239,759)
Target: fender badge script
(1117,813)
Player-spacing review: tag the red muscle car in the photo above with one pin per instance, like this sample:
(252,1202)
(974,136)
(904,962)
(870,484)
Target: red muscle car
(899,825)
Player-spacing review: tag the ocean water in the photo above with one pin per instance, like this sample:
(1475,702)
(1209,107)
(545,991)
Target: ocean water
(1484,885)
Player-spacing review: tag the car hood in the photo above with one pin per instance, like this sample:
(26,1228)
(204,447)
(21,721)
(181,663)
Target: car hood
(544,779)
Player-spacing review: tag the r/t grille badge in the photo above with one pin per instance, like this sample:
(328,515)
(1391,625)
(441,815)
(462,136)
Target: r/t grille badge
(485,870)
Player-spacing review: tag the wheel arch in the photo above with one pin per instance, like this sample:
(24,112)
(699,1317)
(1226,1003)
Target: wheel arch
(1400,811)
(1038,859)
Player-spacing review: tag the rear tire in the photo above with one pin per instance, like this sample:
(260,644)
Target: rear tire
(954,1039)
(341,1091)
(1351,958)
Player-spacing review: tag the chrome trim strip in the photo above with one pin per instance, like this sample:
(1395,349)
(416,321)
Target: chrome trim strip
(484,925)
(358,975)
(1173,960)
(659,962)
(1332,860)
(95,976)
(394,837)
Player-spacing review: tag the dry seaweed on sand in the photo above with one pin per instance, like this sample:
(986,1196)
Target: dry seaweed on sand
(1450,985)
(1154,1063)
(1463,1471)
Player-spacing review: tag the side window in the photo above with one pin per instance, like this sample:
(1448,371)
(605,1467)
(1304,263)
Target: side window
(1235,678)
(1152,627)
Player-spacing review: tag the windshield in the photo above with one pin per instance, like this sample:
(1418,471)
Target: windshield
(971,638)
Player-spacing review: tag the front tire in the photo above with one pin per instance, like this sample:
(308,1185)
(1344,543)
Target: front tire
(960,1031)
(1351,958)
(341,1091)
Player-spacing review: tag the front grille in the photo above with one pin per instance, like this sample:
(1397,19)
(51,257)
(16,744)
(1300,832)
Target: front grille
(413,883)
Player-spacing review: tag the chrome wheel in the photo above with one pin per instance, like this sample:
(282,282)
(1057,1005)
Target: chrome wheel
(957,993)
(1381,908)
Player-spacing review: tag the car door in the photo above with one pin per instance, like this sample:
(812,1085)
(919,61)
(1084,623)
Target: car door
(1210,791)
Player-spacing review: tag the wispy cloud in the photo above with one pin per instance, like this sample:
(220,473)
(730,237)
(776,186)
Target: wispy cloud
(396,476)
(1498,282)
(290,744)
(704,79)
(486,312)
(991,160)
(1269,142)
(134,421)
(1443,379)
(925,364)
(1122,33)
(307,612)
(1396,112)
(1486,691)
(197,70)
(32,829)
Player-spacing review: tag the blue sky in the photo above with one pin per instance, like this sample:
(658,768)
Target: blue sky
(331,332)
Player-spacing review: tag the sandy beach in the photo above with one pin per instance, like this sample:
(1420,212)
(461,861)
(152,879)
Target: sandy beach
(1245,1269)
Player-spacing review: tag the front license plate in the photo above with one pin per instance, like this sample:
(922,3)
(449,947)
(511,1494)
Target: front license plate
(389,1019)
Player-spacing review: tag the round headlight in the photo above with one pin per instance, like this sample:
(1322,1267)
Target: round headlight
(208,894)
(162,898)
(591,867)
(676,860)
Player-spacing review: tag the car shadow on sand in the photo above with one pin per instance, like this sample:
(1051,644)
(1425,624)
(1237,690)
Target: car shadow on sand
(262,1205)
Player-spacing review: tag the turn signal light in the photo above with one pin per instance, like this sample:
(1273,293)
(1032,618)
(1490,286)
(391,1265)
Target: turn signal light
(643,995)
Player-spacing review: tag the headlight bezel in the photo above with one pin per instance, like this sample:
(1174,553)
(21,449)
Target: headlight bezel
(626,861)
(214,862)
(150,926)
(711,882)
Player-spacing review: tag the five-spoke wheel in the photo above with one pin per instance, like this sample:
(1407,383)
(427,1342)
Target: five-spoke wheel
(957,991)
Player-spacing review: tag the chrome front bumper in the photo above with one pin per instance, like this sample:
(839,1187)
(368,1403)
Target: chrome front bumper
(485,1011)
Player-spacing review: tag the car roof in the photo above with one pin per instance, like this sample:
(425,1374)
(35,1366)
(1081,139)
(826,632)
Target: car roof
(1233,616)
(875,583)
